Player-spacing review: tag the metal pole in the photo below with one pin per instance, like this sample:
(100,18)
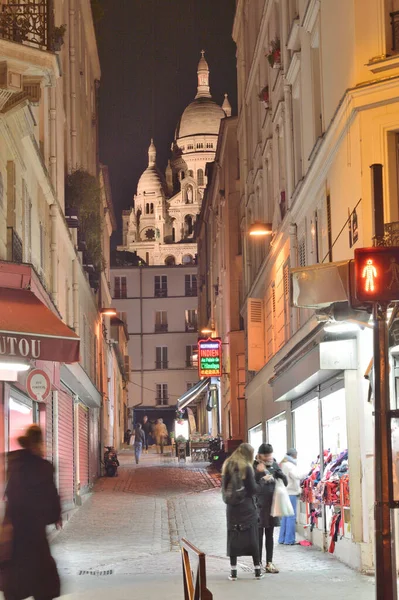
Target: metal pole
(385,562)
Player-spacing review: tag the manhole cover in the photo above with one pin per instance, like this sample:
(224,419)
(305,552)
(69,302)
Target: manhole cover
(97,573)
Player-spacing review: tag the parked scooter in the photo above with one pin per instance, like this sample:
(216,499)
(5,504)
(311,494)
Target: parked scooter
(217,455)
(111,462)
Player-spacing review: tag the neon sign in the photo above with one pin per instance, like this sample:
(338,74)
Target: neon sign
(377,274)
(210,357)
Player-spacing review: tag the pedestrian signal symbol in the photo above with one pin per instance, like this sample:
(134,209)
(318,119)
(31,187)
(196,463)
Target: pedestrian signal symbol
(377,274)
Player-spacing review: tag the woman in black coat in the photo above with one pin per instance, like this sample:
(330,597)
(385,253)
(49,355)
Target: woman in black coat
(242,518)
(267,471)
(32,504)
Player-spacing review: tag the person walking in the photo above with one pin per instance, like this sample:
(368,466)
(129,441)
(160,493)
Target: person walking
(161,435)
(239,490)
(146,427)
(128,435)
(32,502)
(139,442)
(267,472)
(290,469)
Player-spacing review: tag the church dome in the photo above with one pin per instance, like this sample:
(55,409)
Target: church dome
(151,180)
(203,115)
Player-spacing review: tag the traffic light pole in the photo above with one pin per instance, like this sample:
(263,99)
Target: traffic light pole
(385,561)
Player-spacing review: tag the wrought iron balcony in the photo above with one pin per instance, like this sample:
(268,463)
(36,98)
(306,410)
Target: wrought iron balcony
(161,364)
(29,22)
(164,401)
(395,30)
(14,246)
(161,327)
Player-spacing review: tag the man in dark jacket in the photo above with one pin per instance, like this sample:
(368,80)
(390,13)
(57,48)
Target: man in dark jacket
(139,441)
(266,473)
(146,427)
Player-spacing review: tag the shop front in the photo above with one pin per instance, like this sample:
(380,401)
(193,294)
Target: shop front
(276,435)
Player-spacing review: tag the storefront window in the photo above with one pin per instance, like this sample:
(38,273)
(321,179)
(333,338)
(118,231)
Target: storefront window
(255,437)
(277,435)
(306,433)
(21,415)
(182,428)
(334,423)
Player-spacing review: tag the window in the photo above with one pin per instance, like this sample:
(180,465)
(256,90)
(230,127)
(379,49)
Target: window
(162,393)
(190,173)
(161,357)
(302,252)
(192,355)
(188,225)
(170,261)
(191,320)
(120,287)
(200,146)
(209,145)
(147,209)
(190,285)
(42,245)
(161,321)
(151,208)
(190,147)
(287,307)
(200,177)
(329,227)
(160,286)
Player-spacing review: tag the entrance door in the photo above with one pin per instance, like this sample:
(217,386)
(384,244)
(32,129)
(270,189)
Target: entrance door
(22,413)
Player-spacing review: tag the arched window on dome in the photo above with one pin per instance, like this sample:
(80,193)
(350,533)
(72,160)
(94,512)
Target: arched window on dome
(191,173)
(209,145)
(170,261)
(182,175)
(147,209)
(151,208)
(200,146)
(200,177)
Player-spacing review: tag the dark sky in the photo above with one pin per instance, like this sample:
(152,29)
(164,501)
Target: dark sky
(149,51)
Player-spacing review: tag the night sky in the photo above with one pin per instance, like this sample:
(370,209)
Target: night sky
(149,51)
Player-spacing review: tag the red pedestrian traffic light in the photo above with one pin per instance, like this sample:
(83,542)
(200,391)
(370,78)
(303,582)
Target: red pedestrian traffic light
(377,274)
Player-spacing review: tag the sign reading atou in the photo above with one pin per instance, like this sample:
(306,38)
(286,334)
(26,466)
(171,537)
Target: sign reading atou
(210,357)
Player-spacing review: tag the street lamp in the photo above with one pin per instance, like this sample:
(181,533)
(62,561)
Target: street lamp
(260,229)
(108,312)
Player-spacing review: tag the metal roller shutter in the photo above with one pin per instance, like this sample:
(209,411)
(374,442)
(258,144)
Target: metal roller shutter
(49,429)
(66,457)
(94,419)
(83,416)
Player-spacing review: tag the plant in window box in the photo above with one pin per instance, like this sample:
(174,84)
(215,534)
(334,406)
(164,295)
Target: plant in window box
(58,37)
(181,439)
(274,54)
(264,96)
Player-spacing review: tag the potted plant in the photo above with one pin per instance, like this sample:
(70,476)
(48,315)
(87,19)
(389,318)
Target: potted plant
(58,37)
(264,96)
(274,54)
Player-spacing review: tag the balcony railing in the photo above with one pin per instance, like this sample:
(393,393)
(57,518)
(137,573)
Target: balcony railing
(161,327)
(191,291)
(395,30)
(191,327)
(30,22)
(161,293)
(161,364)
(14,246)
(162,401)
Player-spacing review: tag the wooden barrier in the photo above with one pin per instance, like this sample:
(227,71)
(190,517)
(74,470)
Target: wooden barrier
(194,589)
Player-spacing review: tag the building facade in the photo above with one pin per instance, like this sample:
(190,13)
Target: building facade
(311,122)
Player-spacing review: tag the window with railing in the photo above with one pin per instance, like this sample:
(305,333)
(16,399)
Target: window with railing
(162,396)
(160,286)
(191,320)
(161,321)
(191,356)
(30,23)
(190,285)
(120,287)
(161,357)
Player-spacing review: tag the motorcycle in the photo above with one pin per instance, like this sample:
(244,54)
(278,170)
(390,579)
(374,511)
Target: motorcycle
(111,462)
(217,454)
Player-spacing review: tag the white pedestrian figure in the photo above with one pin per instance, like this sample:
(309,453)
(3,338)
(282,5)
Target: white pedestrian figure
(394,270)
(369,273)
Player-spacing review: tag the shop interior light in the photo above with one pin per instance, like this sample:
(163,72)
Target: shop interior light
(15,364)
(260,229)
(341,327)
(108,312)
(18,407)
(207,330)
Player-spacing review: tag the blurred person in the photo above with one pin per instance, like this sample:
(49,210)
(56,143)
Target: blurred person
(128,435)
(241,510)
(294,476)
(161,435)
(139,442)
(32,503)
(267,471)
(146,427)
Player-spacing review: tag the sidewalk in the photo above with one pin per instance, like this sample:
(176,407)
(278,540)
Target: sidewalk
(124,542)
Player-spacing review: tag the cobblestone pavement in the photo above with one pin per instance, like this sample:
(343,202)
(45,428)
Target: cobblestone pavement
(124,542)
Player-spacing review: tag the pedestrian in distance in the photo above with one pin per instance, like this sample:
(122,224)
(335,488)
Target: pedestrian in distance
(161,435)
(239,490)
(127,436)
(267,471)
(146,427)
(294,476)
(32,502)
(139,442)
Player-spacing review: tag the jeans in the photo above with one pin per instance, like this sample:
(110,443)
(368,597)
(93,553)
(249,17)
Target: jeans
(138,448)
(269,543)
(287,528)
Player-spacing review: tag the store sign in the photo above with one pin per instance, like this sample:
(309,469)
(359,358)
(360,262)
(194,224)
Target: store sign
(210,357)
(377,274)
(38,385)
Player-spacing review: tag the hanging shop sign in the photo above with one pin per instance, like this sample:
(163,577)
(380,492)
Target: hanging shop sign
(38,385)
(210,357)
(377,274)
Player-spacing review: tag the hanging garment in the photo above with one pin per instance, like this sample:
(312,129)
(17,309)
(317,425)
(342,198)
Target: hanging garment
(334,529)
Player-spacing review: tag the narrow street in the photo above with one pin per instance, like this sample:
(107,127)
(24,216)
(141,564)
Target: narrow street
(123,543)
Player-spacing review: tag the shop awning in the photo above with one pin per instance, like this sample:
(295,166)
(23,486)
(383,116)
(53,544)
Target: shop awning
(28,329)
(193,393)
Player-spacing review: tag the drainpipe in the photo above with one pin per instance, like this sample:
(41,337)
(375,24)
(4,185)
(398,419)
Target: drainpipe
(67,83)
(53,135)
(141,338)
(72,74)
(288,136)
(53,251)
(75,295)
(293,264)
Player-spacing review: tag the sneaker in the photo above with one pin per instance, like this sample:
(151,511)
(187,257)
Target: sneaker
(258,573)
(270,568)
(233,575)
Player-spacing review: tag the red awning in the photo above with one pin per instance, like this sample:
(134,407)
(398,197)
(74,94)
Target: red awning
(29,329)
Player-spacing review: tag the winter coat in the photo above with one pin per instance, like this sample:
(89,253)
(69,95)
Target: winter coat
(146,427)
(243,519)
(139,436)
(293,475)
(160,432)
(32,503)
(266,493)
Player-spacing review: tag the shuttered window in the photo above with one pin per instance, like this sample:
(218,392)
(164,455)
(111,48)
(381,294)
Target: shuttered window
(256,334)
